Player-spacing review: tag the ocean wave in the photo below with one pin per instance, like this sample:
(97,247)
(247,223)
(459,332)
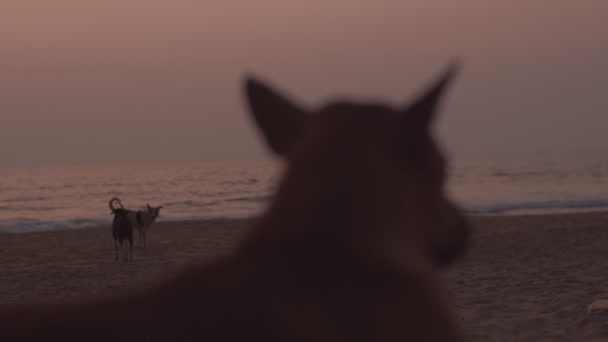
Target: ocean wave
(234,182)
(256,199)
(192,203)
(28,225)
(517,174)
(26,199)
(28,207)
(77,198)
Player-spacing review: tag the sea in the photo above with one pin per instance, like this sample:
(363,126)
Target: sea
(41,198)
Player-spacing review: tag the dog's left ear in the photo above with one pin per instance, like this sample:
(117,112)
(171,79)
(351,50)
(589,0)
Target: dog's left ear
(149,207)
(281,120)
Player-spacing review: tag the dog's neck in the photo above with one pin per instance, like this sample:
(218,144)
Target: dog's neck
(147,216)
(354,206)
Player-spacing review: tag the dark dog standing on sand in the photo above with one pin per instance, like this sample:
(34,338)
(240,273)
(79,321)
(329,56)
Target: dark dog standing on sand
(122,231)
(348,249)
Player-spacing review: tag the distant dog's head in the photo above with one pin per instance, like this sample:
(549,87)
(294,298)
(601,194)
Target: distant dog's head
(385,160)
(153,211)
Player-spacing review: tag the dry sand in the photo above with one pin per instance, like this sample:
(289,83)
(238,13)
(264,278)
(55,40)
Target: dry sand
(526,278)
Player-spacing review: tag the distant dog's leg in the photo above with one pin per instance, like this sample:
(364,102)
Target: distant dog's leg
(115,250)
(123,249)
(131,247)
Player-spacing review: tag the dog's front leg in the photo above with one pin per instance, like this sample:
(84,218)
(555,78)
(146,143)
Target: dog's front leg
(131,248)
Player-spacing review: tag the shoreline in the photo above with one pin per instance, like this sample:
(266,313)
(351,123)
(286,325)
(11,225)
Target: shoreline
(246,217)
(545,211)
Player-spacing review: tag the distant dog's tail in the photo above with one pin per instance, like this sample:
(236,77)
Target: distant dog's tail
(111,204)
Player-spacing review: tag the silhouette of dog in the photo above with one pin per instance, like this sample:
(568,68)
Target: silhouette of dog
(122,231)
(143,220)
(348,250)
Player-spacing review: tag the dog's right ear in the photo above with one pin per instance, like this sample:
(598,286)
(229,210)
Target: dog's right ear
(282,121)
(420,114)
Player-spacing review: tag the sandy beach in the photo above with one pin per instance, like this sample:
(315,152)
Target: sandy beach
(526,278)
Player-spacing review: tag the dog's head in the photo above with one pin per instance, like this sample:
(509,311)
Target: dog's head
(387,154)
(153,211)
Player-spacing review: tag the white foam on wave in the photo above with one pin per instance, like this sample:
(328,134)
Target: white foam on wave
(536,204)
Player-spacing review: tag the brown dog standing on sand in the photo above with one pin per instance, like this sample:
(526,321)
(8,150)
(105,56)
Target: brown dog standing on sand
(347,251)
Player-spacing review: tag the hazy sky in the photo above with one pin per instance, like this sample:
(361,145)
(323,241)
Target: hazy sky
(160,80)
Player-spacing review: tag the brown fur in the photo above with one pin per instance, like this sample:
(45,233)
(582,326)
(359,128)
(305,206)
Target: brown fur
(143,221)
(348,249)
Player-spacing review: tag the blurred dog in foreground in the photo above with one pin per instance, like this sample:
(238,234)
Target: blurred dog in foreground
(348,250)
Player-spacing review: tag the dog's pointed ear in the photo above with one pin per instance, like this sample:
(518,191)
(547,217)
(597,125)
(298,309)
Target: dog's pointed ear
(281,120)
(419,115)
(149,207)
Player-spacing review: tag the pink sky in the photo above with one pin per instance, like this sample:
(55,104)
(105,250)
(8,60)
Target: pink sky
(109,81)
